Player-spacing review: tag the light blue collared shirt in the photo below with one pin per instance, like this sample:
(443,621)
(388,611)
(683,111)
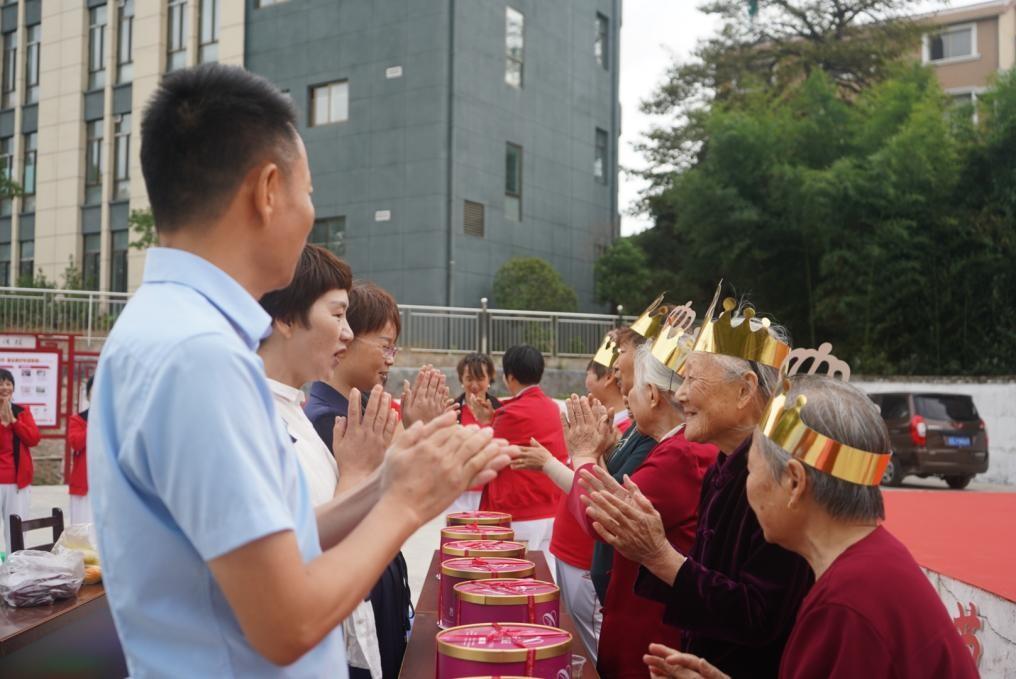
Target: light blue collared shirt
(187,462)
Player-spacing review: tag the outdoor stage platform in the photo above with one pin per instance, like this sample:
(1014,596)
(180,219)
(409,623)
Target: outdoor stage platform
(967,542)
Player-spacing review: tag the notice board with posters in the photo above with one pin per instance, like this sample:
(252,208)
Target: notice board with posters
(36,382)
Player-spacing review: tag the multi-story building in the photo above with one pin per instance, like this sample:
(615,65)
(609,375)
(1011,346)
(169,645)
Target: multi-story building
(444,136)
(967,45)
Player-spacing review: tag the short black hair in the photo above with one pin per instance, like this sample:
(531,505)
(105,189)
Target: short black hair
(477,365)
(6,376)
(599,370)
(317,272)
(524,363)
(202,131)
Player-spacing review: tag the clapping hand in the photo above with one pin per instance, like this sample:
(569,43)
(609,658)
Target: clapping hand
(623,516)
(664,661)
(427,398)
(588,434)
(6,413)
(482,409)
(531,457)
(360,440)
(432,464)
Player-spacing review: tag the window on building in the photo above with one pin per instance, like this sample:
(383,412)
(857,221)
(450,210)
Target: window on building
(119,242)
(91,257)
(33,34)
(209,42)
(26,263)
(28,173)
(122,157)
(955,42)
(176,42)
(601,48)
(5,263)
(125,42)
(10,75)
(7,170)
(514,44)
(473,218)
(330,233)
(513,183)
(600,156)
(268,3)
(97,47)
(93,162)
(329,103)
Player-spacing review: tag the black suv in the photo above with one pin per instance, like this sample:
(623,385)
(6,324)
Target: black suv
(933,435)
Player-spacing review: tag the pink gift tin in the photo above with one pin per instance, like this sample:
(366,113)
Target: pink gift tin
(480,518)
(454,571)
(474,531)
(495,649)
(512,550)
(529,601)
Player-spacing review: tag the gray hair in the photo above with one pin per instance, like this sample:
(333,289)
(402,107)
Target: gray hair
(842,412)
(650,370)
(768,377)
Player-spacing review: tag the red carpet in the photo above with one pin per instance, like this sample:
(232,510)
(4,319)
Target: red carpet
(966,535)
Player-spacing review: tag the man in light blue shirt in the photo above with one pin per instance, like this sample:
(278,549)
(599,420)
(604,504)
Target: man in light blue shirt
(215,563)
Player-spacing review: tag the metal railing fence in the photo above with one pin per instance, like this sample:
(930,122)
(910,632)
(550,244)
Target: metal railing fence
(433,329)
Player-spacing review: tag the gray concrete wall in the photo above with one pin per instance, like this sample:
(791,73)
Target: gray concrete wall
(392,153)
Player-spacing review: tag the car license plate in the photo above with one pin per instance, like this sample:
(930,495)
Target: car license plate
(957,441)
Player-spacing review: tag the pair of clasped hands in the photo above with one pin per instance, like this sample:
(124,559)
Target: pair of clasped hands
(428,461)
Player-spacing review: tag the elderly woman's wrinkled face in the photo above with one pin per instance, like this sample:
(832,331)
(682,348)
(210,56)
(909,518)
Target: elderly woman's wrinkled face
(641,406)
(624,367)
(709,399)
(768,497)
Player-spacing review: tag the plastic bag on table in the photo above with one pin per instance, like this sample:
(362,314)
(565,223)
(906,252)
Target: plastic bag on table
(32,577)
(79,537)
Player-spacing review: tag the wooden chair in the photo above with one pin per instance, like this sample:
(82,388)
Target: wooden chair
(19,527)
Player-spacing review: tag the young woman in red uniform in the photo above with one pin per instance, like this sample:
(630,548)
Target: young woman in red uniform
(77,480)
(18,433)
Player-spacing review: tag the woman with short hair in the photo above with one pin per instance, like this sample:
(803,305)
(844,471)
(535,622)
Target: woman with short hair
(18,433)
(872,612)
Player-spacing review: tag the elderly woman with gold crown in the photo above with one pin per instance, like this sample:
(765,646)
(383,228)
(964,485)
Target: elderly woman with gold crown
(813,473)
(733,595)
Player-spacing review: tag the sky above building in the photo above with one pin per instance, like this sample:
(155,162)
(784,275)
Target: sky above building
(653,34)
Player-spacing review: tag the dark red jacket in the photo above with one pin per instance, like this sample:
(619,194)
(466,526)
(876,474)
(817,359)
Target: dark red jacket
(527,495)
(15,441)
(77,436)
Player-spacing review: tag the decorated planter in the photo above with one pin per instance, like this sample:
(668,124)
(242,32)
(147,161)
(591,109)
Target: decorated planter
(454,571)
(474,531)
(511,550)
(503,650)
(528,601)
(480,518)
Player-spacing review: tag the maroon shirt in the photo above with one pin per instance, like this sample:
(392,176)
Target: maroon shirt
(737,595)
(873,614)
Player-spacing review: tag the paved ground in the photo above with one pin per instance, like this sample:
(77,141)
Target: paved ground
(420,547)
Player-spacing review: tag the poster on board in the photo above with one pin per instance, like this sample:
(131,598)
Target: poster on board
(36,382)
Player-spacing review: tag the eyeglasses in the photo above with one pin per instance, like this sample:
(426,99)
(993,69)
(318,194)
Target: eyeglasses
(386,351)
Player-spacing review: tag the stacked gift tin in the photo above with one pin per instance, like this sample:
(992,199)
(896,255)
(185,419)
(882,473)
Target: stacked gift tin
(503,649)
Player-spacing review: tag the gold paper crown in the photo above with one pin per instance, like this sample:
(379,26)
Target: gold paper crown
(783,425)
(649,323)
(606,355)
(721,336)
(675,340)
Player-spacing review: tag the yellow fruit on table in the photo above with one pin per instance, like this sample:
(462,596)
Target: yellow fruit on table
(93,574)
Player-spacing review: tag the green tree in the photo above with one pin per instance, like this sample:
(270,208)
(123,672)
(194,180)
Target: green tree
(142,223)
(532,284)
(621,276)
(769,53)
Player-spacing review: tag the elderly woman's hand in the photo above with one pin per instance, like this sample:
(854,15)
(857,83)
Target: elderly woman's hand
(584,432)
(627,520)
(664,661)
(531,457)
(427,398)
(360,440)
